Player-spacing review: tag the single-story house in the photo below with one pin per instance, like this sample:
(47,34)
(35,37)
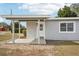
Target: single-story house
(41,28)
(3,27)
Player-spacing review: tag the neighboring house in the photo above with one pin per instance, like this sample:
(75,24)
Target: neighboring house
(42,28)
(4,27)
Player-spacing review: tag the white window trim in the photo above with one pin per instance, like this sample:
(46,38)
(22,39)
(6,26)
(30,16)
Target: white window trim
(74,23)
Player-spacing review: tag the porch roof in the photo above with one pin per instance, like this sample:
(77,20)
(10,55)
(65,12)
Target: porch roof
(64,18)
(36,17)
(25,17)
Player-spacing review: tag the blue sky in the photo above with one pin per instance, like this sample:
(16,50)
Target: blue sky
(30,9)
(5,9)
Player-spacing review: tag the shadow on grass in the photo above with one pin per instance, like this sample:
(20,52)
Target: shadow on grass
(60,42)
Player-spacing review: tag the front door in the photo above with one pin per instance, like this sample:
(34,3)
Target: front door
(42,30)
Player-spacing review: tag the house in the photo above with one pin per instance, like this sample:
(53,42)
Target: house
(42,28)
(3,27)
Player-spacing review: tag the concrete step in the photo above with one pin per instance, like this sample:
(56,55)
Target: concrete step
(42,41)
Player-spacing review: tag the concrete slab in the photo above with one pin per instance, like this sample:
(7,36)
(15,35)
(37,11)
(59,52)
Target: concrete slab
(22,41)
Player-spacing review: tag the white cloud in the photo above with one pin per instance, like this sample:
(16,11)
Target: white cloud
(43,8)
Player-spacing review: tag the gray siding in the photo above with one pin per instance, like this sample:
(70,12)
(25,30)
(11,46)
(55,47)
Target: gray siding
(52,32)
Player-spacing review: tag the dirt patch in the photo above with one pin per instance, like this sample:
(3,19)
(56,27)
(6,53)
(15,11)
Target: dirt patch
(66,50)
(5,36)
(38,50)
(23,49)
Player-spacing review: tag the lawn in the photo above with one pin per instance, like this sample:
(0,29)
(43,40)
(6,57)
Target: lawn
(5,36)
(53,48)
(40,50)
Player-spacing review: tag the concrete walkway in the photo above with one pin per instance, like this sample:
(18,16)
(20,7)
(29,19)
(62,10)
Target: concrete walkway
(42,41)
(28,41)
(22,41)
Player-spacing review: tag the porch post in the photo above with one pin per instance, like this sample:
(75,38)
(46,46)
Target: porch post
(26,29)
(13,34)
(19,29)
(38,36)
(44,32)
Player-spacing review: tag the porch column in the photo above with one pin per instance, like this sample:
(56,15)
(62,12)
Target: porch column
(38,36)
(26,29)
(44,28)
(44,32)
(19,29)
(13,32)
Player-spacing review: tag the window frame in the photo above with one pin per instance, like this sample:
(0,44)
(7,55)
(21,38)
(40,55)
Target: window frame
(74,27)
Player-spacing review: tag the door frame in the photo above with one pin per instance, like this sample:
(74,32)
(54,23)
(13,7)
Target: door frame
(38,29)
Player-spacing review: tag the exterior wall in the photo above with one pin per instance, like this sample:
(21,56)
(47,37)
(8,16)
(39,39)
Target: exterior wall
(52,32)
(31,29)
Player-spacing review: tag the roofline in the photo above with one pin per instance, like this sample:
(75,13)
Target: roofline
(11,17)
(24,15)
(63,18)
(47,17)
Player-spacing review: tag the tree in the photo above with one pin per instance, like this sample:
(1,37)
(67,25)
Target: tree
(66,12)
(75,7)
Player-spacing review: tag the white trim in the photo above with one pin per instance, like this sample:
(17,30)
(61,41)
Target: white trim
(24,16)
(26,30)
(38,38)
(35,16)
(74,23)
(38,30)
(44,29)
(19,29)
(13,32)
(64,18)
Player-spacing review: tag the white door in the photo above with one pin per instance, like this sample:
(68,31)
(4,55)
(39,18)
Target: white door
(42,29)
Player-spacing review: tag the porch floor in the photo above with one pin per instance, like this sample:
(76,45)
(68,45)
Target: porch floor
(28,41)
(22,41)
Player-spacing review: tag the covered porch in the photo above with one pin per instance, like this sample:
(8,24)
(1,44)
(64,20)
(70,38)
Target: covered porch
(32,37)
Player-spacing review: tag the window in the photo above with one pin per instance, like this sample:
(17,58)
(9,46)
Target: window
(41,27)
(41,37)
(70,27)
(67,27)
(63,27)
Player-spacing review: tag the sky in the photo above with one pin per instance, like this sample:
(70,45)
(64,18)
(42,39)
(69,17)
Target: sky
(30,9)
